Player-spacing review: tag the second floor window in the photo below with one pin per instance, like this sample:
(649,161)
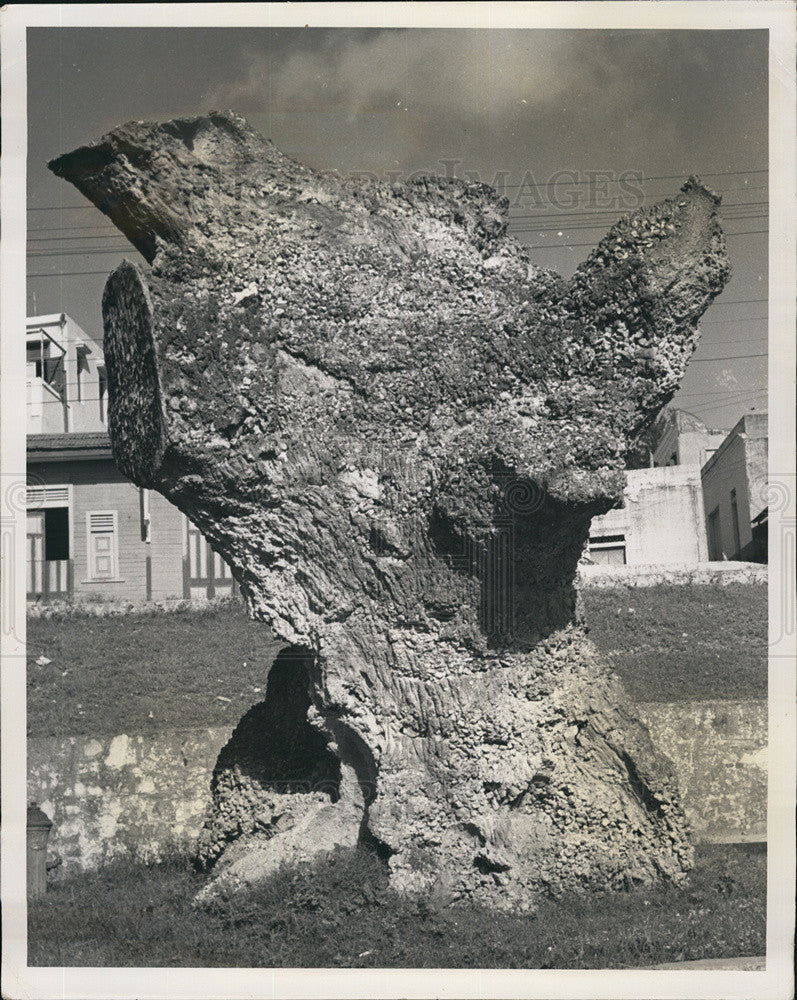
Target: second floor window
(103,386)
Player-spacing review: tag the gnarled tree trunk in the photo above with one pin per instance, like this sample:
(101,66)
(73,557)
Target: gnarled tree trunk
(396,430)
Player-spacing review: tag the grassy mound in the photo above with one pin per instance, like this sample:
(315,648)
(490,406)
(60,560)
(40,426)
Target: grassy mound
(150,671)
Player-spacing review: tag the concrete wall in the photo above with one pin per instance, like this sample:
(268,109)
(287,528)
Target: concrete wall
(686,437)
(651,576)
(45,409)
(138,794)
(46,412)
(719,749)
(131,795)
(661,517)
(690,447)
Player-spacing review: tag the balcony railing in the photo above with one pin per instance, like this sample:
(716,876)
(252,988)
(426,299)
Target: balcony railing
(50,578)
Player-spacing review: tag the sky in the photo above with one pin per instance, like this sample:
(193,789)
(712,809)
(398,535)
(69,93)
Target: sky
(575,127)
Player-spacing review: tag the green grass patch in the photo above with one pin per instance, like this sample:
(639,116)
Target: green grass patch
(145,672)
(339,911)
(679,643)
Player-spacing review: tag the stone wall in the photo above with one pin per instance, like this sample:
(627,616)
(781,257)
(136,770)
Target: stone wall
(719,749)
(123,795)
(137,795)
(652,576)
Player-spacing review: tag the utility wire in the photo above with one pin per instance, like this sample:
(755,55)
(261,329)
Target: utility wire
(562,214)
(727,357)
(718,392)
(573,246)
(629,176)
(126,247)
(611,213)
(739,319)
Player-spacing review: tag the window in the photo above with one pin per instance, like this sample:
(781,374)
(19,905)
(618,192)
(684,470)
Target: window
(48,496)
(737,544)
(101,538)
(33,356)
(49,507)
(49,554)
(82,372)
(103,390)
(714,536)
(607,550)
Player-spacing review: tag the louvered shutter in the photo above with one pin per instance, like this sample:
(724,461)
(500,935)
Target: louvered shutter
(101,531)
(47,496)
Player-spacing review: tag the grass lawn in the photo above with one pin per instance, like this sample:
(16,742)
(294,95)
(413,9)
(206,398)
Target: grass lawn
(678,643)
(340,912)
(145,672)
(153,671)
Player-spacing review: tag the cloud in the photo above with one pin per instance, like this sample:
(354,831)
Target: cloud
(465,75)
(642,100)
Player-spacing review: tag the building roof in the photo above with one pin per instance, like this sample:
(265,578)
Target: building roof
(761,518)
(64,447)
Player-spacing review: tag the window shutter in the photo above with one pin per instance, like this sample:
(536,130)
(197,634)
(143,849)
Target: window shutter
(47,496)
(101,532)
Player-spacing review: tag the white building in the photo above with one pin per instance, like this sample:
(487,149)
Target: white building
(661,521)
(67,388)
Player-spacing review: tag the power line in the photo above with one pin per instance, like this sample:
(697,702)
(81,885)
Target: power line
(547,218)
(75,239)
(126,247)
(65,229)
(736,302)
(718,392)
(78,253)
(630,176)
(752,341)
(739,319)
(563,227)
(612,213)
(738,402)
(44,251)
(68,274)
(728,357)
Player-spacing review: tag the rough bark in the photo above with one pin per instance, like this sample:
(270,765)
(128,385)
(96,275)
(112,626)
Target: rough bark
(396,430)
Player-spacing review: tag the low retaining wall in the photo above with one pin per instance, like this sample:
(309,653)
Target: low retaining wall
(719,749)
(139,795)
(652,576)
(132,795)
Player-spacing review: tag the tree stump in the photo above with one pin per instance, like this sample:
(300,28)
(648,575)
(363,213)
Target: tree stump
(396,429)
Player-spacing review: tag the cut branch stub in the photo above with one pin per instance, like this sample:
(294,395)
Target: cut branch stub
(396,429)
